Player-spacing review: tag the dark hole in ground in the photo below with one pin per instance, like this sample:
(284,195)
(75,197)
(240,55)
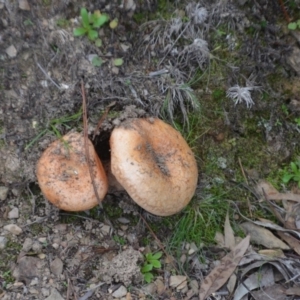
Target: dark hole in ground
(101,144)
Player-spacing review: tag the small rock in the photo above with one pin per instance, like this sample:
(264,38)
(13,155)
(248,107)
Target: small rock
(24,5)
(14,213)
(13,228)
(123,220)
(3,192)
(3,242)
(115,70)
(183,258)
(27,244)
(150,288)
(37,247)
(55,295)
(105,229)
(120,292)
(11,51)
(193,249)
(56,266)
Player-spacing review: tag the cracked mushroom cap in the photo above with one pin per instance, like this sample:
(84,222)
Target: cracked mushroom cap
(154,164)
(63,174)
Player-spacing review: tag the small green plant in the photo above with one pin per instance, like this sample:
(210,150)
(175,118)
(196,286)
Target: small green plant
(297,120)
(63,23)
(90,22)
(120,240)
(152,261)
(293,173)
(294,25)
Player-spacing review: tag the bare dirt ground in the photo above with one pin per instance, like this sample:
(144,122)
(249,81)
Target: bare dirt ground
(49,254)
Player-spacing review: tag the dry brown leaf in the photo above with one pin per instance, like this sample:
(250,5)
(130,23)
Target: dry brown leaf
(292,241)
(295,291)
(262,278)
(231,283)
(263,236)
(273,292)
(219,275)
(229,234)
(265,189)
(272,253)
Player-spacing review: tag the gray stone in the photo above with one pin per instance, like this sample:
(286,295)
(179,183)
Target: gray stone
(11,51)
(27,244)
(3,242)
(55,295)
(56,266)
(13,228)
(120,292)
(3,192)
(14,213)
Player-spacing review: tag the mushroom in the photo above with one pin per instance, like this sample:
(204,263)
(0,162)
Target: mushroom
(63,174)
(154,164)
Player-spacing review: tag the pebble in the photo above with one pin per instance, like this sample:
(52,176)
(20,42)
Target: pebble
(27,244)
(14,213)
(3,192)
(3,242)
(37,247)
(24,5)
(13,228)
(11,51)
(105,229)
(55,295)
(120,292)
(56,266)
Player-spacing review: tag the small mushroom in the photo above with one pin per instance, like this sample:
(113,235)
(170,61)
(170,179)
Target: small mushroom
(63,174)
(154,164)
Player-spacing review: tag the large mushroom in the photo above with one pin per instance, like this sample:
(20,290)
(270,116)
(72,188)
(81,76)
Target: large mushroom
(64,177)
(154,164)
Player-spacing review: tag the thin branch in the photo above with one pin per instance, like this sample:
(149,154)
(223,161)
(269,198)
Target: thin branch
(86,146)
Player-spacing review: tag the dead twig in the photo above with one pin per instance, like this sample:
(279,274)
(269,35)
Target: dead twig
(285,13)
(86,147)
(103,118)
(245,177)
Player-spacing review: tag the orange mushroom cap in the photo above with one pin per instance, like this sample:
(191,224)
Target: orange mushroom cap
(63,174)
(154,164)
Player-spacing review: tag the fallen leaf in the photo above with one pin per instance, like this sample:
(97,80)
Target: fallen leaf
(295,291)
(266,189)
(263,277)
(219,275)
(272,253)
(228,234)
(263,236)
(231,283)
(273,292)
(24,5)
(293,242)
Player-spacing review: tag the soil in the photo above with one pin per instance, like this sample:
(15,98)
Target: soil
(50,254)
